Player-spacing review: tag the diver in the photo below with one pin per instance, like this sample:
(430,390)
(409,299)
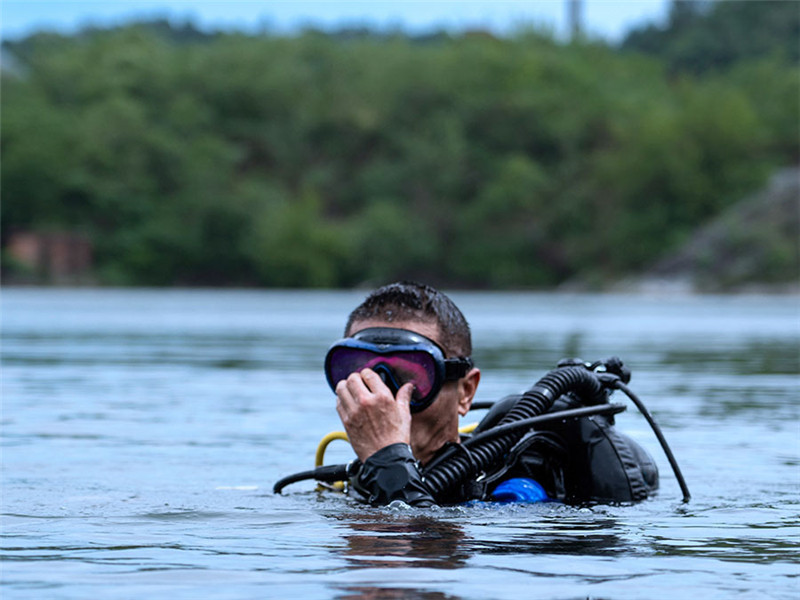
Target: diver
(403,375)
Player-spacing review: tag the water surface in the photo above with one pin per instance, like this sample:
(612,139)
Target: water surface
(142,431)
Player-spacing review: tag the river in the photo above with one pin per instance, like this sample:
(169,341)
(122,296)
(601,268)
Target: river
(142,431)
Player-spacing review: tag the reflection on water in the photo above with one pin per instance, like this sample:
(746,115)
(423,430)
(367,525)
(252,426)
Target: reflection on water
(759,357)
(356,592)
(596,537)
(381,540)
(747,402)
(142,432)
(734,549)
(409,540)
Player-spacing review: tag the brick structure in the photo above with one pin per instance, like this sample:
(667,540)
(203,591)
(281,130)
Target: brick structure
(55,257)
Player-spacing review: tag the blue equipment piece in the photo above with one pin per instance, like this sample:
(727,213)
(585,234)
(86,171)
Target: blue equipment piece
(519,489)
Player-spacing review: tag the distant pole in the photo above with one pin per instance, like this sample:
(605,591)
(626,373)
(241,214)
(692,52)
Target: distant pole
(575,18)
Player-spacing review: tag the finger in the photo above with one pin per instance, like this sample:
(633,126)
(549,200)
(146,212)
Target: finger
(404,393)
(344,398)
(341,389)
(356,386)
(374,382)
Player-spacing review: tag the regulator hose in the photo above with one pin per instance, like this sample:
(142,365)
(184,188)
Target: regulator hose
(661,439)
(328,474)
(455,467)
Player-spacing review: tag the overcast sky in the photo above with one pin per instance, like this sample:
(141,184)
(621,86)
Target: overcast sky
(609,19)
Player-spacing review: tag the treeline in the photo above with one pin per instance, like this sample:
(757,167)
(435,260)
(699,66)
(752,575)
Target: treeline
(706,35)
(338,159)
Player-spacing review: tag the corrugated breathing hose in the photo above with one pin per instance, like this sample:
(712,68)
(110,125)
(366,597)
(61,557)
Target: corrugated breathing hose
(455,467)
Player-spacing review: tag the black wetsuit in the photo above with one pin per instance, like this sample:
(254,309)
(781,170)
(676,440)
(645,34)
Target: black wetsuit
(577,461)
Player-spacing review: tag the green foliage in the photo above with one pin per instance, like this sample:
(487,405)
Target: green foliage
(292,245)
(703,36)
(335,160)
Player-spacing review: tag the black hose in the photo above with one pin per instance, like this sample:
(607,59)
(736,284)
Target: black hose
(455,469)
(559,415)
(661,439)
(327,473)
(481,405)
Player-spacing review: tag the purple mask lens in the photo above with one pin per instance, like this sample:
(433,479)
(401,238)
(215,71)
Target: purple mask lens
(412,366)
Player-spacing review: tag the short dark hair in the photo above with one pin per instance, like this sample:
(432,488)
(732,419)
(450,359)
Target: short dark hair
(409,300)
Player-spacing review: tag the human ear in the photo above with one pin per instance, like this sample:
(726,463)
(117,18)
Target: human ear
(467,386)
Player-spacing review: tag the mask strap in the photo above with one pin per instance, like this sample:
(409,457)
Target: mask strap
(456,368)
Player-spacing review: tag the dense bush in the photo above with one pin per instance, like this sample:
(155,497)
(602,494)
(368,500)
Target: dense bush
(332,160)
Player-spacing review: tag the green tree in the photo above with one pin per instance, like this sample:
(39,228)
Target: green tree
(335,159)
(701,36)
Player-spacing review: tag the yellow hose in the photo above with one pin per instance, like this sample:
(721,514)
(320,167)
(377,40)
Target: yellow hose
(319,459)
(323,445)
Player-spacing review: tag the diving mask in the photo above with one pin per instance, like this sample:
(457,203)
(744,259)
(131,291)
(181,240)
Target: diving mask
(399,356)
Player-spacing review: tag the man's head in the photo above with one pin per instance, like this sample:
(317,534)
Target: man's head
(408,301)
(421,309)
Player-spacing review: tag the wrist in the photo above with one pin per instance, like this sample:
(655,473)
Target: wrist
(393,450)
(365,451)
